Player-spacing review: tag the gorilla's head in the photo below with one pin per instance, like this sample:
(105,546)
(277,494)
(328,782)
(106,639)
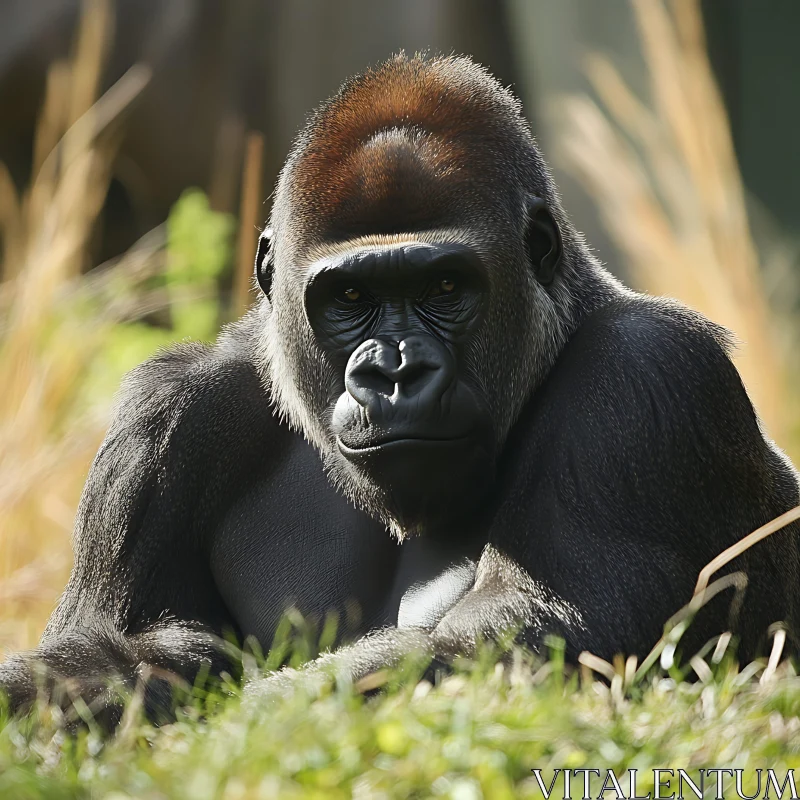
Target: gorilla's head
(417,272)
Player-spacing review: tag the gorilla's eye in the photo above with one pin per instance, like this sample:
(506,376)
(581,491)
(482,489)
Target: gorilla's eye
(350,295)
(444,287)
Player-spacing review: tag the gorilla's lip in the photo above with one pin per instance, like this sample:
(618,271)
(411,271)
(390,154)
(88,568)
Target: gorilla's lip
(400,442)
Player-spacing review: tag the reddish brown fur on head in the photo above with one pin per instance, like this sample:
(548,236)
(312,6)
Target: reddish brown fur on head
(411,144)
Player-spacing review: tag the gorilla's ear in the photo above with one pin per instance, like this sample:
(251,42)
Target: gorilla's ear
(543,240)
(264,261)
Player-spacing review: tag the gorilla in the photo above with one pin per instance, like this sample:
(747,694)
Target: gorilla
(443,412)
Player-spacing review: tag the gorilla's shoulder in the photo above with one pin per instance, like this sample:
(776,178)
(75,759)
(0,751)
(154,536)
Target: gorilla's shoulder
(208,387)
(652,361)
(638,332)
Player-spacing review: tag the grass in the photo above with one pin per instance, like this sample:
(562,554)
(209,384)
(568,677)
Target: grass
(477,734)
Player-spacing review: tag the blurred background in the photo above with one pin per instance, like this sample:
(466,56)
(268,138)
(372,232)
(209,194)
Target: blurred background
(140,141)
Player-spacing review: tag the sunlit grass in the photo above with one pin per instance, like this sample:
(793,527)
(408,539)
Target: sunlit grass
(477,734)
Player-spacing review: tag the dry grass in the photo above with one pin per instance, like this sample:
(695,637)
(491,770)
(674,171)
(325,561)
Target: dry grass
(48,340)
(251,215)
(667,184)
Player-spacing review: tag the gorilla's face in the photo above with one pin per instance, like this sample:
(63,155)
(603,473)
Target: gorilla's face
(395,323)
(406,358)
(411,272)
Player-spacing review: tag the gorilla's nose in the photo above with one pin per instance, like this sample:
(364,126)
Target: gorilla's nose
(417,371)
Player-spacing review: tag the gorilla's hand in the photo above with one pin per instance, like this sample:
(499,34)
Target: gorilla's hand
(97,669)
(101,667)
(384,648)
(503,599)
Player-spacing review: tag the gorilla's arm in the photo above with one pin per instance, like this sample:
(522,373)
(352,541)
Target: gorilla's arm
(638,461)
(141,593)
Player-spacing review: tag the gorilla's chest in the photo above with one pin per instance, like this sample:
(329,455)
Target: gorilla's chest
(292,540)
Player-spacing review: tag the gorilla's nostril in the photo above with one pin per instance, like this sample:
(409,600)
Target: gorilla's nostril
(376,381)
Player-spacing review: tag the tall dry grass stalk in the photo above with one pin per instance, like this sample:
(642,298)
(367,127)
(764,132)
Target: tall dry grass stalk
(668,186)
(47,438)
(251,213)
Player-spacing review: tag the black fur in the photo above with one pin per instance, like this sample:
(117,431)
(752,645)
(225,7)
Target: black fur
(616,450)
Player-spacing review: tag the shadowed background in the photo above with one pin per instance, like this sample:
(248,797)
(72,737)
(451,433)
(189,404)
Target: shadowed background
(140,138)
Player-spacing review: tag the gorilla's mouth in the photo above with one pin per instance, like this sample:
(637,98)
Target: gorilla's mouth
(400,443)
(423,479)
